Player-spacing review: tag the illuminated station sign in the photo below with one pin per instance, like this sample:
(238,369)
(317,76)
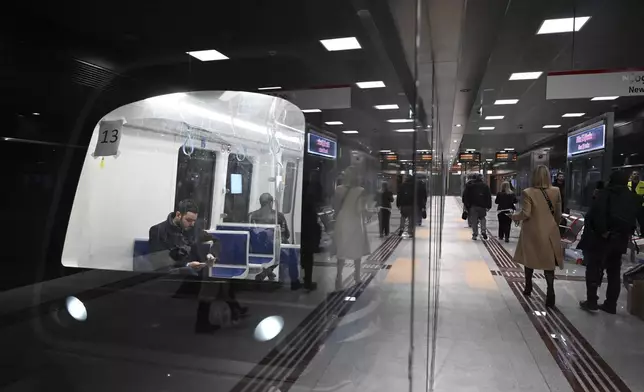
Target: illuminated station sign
(322,146)
(506,156)
(589,139)
(464,157)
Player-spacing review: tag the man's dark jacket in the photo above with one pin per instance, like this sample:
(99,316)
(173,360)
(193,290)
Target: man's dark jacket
(266,215)
(477,194)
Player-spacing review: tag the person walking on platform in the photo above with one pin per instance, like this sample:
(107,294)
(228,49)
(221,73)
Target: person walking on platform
(637,187)
(405,202)
(609,225)
(477,200)
(422,202)
(350,233)
(384,200)
(539,245)
(470,179)
(505,201)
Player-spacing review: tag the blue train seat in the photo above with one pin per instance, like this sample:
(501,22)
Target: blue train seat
(290,258)
(140,261)
(232,262)
(264,242)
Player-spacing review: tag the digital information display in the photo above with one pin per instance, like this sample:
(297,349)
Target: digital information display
(469,157)
(390,158)
(236,184)
(424,158)
(506,156)
(587,140)
(322,146)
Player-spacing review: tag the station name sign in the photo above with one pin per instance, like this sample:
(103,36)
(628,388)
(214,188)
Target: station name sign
(587,140)
(469,157)
(322,146)
(595,83)
(506,156)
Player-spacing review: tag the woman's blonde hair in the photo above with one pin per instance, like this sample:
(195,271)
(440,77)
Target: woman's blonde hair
(505,187)
(541,177)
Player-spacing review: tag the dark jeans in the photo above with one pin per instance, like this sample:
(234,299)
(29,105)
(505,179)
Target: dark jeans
(505,224)
(306,261)
(596,263)
(477,215)
(383,220)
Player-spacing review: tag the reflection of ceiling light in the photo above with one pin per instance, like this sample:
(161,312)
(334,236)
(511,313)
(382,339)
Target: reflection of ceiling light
(552,126)
(494,117)
(508,149)
(506,101)
(400,120)
(374,84)
(311,110)
(336,44)
(573,114)
(207,55)
(562,25)
(350,132)
(386,107)
(36,114)
(458,125)
(486,128)
(385,150)
(334,123)
(453,150)
(404,130)
(604,98)
(270,88)
(269,328)
(76,308)
(455,141)
(525,75)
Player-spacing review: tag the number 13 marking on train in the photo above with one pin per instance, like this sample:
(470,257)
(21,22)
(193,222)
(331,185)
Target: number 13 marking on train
(113,139)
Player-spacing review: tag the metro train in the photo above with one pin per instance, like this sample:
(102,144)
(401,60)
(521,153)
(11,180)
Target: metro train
(222,149)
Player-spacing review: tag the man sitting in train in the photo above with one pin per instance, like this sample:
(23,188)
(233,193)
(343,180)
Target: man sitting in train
(266,215)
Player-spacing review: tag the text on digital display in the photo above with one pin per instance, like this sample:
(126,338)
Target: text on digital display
(322,146)
(587,140)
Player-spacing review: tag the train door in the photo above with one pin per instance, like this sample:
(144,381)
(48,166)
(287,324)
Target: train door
(238,186)
(288,206)
(195,180)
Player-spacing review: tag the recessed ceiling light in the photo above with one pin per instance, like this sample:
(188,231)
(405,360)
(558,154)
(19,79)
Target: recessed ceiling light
(270,88)
(404,130)
(207,55)
(36,114)
(400,120)
(508,149)
(386,107)
(334,123)
(506,101)
(336,44)
(311,110)
(562,25)
(374,84)
(385,150)
(573,114)
(486,128)
(458,125)
(455,141)
(604,98)
(349,132)
(552,126)
(525,75)
(494,117)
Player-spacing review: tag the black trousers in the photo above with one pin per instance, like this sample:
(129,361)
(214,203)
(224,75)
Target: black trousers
(306,261)
(596,263)
(383,219)
(505,225)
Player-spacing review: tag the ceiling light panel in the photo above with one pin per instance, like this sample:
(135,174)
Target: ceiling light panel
(270,88)
(337,44)
(506,101)
(604,98)
(573,114)
(334,123)
(400,120)
(387,107)
(350,132)
(525,75)
(563,25)
(404,130)
(486,128)
(207,55)
(494,117)
(311,110)
(375,84)
(552,126)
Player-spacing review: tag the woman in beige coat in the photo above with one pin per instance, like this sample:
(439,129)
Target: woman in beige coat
(539,244)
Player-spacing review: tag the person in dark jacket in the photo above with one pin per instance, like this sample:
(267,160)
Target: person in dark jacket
(311,232)
(560,182)
(505,201)
(383,201)
(477,199)
(609,225)
(266,215)
(422,201)
(405,202)
(470,179)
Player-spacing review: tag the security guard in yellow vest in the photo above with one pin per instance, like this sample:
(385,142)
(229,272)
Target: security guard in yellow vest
(636,186)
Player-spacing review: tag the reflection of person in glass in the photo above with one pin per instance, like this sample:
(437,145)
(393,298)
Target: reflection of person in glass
(350,233)
(266,215)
